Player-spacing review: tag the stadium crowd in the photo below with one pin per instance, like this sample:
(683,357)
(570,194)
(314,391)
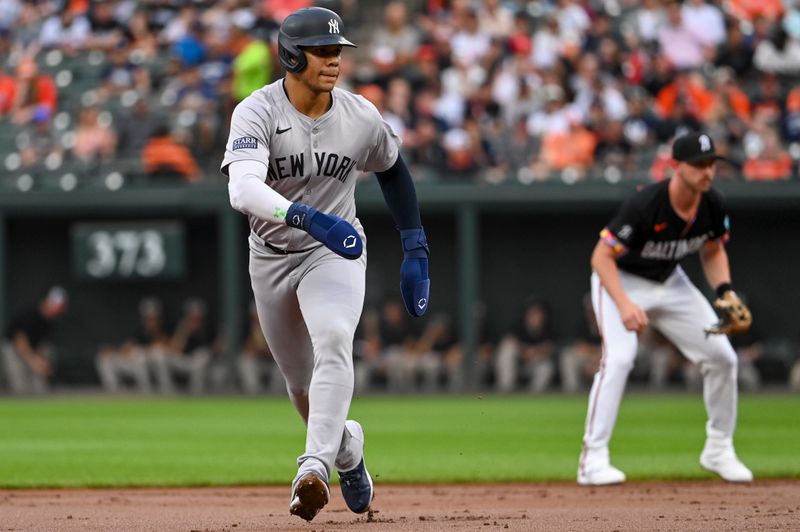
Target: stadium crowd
(479,90)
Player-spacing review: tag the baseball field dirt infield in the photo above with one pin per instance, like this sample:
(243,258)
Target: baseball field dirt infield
(695,505)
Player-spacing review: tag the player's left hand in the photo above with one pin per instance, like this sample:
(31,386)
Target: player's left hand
(414,282)
(735,317)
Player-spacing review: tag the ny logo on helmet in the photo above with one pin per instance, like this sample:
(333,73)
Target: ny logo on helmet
(705,143)
(333,26)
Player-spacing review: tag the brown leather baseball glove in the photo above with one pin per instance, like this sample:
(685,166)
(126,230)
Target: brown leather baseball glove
(734,318)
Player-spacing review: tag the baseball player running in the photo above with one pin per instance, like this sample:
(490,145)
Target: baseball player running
(637,281)
(293,155)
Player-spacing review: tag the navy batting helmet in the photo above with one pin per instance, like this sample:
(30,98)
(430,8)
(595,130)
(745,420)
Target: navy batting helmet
(311,26)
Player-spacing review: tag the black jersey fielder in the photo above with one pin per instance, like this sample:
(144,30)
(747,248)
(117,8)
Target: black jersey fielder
(637,281)
(295,150)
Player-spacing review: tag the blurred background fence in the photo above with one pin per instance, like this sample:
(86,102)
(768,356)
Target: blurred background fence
(491,248)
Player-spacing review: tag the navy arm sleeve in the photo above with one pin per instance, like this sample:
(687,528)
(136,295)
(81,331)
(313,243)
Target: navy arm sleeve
(400,195)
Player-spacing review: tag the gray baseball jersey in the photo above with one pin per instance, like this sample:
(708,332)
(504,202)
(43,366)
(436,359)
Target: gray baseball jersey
(309,303)
(315,162)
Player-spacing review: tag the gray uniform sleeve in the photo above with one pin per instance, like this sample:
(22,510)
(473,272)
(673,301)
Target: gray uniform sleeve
(248,139)
(383,153)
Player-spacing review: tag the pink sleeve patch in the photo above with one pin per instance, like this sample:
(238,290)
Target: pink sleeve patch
(611,239)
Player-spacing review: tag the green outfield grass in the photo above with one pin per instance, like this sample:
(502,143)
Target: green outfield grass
(100,441)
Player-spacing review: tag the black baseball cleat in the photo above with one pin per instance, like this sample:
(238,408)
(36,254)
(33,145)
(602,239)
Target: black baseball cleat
(357,488)
(310,495)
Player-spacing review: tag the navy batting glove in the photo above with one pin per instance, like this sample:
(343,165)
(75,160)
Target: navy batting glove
(337,234)
(415,285)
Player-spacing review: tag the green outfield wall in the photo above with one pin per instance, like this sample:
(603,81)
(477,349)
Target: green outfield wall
(491,244)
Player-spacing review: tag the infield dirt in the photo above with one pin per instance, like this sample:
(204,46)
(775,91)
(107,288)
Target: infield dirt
(699,505)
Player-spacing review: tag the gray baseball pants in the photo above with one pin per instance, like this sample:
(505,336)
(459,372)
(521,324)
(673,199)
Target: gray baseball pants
(309,305)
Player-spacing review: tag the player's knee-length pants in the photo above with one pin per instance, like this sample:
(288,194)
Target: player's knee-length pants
(309,305)
(680,311)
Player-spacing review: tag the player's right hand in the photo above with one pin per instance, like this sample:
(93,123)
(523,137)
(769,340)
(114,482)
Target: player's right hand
(337,234)
(633,317)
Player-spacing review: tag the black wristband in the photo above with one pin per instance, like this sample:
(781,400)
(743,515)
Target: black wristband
(724,287)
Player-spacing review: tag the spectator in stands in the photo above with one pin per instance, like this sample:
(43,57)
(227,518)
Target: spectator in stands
(704,21)
(613,149)
(394,43)
(496,19)
(791,121)
(571,153)
(398,108)
(641,126)
(726,87)
(198,97)
(252,65)
(479,60)
(27,353)
(165,158)
(132,359)
(95,138)
(29,96)
(772,163)
(106,31)
(38,142)
(678,43)
(546,45)
(266,26)
(578,361)
(427,154)
(26,30)
(122,74)
(554,116)
(65,30)
(466,151)
(255,364)
(736,52)
(767,101)
(136,127)
(469,45)
(599,31)
(681,120)
(647,19)
(749,10)
(573,20)
(780,54)
(527,350)
(190,49)
(687,88)
(514,150)
(141,37)
(9,12)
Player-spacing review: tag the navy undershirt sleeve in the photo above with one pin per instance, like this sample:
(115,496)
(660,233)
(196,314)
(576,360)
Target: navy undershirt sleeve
(400,195)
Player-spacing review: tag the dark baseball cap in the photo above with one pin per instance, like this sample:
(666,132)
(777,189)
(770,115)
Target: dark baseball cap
(694,147)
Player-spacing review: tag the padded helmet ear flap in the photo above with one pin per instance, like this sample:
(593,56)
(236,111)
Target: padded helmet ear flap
(291,56)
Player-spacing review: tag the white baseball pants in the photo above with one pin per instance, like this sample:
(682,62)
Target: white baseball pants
(680,311)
